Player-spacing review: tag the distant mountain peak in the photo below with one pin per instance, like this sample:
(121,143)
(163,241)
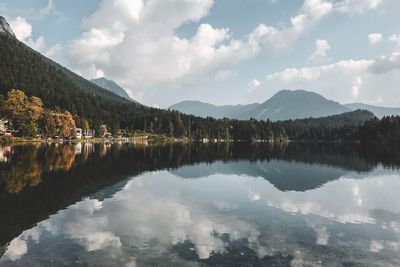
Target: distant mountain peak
(111,86)
(5,28)
(297,93)
(101,79)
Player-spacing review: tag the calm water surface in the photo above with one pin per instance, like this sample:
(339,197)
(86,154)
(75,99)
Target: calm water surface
(199,205)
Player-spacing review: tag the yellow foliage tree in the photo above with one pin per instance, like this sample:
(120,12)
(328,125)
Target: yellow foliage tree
(23,112)
(85,126)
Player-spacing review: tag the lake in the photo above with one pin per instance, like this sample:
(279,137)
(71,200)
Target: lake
(199,205)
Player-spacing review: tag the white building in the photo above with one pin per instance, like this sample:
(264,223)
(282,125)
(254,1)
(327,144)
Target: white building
(3,125)
(78,133)
(88,134)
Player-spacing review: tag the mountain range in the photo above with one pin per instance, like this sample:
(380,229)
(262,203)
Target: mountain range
(284,105)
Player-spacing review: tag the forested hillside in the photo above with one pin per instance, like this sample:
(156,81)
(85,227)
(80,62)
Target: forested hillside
(334,127)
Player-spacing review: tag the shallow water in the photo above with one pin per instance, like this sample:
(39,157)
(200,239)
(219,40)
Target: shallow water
(199,205)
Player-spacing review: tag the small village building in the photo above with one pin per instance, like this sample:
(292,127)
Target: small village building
(121,134)
(4,125)
(88,134)
(103,130)
(78,133)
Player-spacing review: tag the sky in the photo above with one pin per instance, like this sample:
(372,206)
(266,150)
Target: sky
(221,51)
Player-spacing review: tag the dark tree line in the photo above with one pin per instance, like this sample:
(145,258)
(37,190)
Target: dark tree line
(368,129)
(386,129)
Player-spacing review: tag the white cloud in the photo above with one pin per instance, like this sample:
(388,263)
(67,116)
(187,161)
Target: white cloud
(39,44)
(321,49)
(323,235)
(376,246)
(93,44)
(311,12)
(23,31)
(101,240)
(345,210)
(343,80)
(314,73)
(16,249)
(54,51)
(99,73)
(50,8)
(253,195)
(386,63)
(355,89)
(357,6)
(225,74)
(21,28)
(395,38)
(253,84)
(375,38)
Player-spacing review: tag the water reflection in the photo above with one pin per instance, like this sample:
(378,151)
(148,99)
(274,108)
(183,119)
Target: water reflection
(5,153)
(26,164)
(179,205)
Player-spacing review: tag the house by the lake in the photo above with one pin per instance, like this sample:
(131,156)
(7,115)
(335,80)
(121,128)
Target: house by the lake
(78,133)
(103,130)
(88,134)
(3,125)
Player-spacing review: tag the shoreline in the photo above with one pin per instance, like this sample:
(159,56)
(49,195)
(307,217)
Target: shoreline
(162,139)
(97,140)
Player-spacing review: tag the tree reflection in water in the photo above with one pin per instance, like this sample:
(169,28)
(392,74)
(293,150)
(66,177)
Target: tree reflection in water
(24,165)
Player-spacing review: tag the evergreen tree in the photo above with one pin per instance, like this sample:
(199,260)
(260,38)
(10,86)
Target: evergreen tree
(171,128)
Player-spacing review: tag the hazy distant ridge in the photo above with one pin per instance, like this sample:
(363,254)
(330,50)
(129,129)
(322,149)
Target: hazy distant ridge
(284,105)
(378,111)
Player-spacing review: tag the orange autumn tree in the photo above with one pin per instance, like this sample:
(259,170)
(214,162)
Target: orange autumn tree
(69,124)
(58,124)
(23,112)
(29,118)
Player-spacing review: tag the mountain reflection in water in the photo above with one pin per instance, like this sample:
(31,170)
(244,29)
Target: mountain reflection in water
(188,205)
